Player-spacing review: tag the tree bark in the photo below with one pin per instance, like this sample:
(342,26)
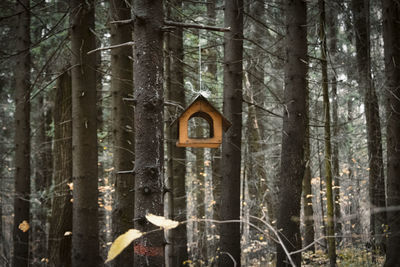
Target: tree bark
(231,144)
(307,186)
(332,34)
(176,155)
(391,36)
(43,177)
(327,136)
(85,237)
(149,122)
(260,183)
(293,135)
(122,127)
(360,9)
(22,134)
(61,219)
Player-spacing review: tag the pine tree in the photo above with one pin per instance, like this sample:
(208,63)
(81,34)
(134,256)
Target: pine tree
(231,145)
(292,155)
(122,126)
(22,135)
(149,123)
(85,237)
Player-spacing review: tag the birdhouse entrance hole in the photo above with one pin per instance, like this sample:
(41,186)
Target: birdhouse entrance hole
(200,126)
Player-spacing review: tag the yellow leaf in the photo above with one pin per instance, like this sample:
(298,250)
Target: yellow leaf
(161,221)
(122,242)
(24,226)
(71,186)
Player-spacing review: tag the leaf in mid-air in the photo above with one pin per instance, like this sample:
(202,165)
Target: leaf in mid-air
(122,242)
(161,221)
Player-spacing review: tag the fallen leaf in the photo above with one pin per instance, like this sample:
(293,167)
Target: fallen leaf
(162,222)
(122,242)
(24,226)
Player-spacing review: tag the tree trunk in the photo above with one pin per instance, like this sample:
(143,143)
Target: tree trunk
(122,127)
(332,34)
(327,136)
(43,176)
(176,155)
(149,122)
(61,214)
(22,134)
(307,186)
(215,154)
(391,36)
(85,237)
(257,147)
(360,9)
(293,135)
(231,144)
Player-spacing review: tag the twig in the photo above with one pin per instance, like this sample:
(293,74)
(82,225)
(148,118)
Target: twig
(230,256)
(262,108)
(126,21)
(110,47)
(196,26)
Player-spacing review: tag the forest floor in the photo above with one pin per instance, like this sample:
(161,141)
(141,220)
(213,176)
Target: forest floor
(348,257)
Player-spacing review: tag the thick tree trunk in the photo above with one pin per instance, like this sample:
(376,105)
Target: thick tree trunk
(360,9)
(85,238)
(231,145)
(293,135)
(327,136)
(176,155)
(122,127)
(149,122)
(61,219)
(22,134)
(391,36)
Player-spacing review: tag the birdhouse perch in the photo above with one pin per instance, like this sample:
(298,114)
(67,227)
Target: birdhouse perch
(201,108)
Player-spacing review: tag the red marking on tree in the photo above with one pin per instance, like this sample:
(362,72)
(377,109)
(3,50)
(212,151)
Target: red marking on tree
(149,251)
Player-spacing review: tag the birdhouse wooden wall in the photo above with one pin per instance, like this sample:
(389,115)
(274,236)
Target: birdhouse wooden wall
(203,109)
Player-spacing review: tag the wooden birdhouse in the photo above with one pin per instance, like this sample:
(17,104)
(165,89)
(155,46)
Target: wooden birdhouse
(217,123)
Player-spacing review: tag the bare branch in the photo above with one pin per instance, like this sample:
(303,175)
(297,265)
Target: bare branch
(110,47)
(196,26)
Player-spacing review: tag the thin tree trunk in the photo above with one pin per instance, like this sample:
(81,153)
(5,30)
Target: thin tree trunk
(332,32)
(43,174)
(176,155)
(258,95)
(231,145)
(321,196)
(122,127)
(85,238)
(391,36)
(149,122)
(361,14)
(22,134)
(293,132)
(215,154)
(307,186)
(327,136)
(61,219)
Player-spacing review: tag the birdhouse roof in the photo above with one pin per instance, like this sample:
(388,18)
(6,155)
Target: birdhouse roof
(225,123)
